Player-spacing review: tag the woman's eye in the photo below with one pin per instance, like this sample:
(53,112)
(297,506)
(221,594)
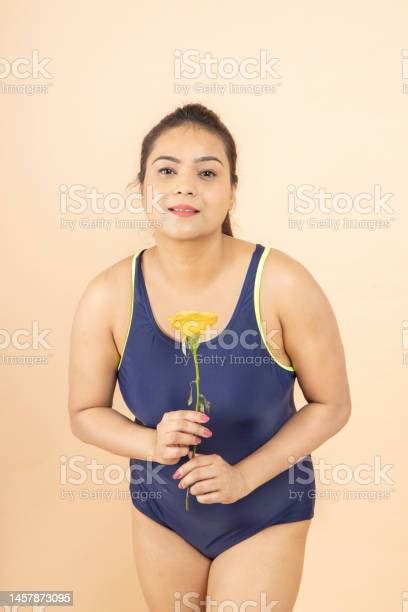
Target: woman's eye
(166,171)
(161,170)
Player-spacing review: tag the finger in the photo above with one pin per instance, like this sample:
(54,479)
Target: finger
(199,473)
(196,416)
(187,426)
(204,487)
(208,498)
(199,460)
(180,437)
(176,451)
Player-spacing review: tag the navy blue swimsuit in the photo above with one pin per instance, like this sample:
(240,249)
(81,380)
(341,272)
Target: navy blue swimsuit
(251,397)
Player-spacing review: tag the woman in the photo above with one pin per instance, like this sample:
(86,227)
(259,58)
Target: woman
(252,482)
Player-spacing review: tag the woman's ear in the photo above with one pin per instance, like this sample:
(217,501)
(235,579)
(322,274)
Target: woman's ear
(233,198)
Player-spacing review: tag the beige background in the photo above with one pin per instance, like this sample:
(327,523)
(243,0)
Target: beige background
(338,121)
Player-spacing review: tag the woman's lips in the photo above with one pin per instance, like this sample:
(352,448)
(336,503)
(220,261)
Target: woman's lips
(183,213)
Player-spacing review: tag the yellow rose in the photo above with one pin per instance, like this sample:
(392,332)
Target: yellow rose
(191,322)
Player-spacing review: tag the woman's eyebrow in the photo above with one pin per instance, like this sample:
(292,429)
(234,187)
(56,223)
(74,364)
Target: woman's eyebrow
(198,159)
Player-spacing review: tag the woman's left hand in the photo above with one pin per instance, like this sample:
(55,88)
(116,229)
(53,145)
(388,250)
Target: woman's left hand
(212,480)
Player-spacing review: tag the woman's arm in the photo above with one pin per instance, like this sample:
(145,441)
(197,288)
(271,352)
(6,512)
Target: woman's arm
(92,376)
(312,340)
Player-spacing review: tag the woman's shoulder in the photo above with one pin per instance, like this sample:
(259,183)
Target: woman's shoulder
(291,285)
(105,291)
(284,267)
(278,266)
(118,273)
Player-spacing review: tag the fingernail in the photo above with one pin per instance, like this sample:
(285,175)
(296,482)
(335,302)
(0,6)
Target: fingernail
(180,485)
(176,474)
(204,418)
(207,432)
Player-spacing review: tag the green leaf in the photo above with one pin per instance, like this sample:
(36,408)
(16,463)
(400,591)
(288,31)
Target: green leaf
(204,401)
(190,397)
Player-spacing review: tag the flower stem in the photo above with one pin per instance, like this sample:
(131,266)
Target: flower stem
(197,407)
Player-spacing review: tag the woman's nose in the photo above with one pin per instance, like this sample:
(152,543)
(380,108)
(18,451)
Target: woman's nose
(185,191)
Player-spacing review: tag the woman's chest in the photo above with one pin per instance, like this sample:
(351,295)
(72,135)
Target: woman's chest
(245,392)
(224,303)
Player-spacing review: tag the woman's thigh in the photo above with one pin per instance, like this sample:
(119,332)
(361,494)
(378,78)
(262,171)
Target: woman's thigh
(169,568)
(269,562)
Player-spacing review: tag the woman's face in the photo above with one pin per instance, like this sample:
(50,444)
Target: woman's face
(177,175)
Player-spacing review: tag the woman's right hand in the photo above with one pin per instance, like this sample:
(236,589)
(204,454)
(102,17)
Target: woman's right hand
(176,432)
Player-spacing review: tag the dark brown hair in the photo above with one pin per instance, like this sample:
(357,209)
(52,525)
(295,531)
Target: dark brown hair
(202,116)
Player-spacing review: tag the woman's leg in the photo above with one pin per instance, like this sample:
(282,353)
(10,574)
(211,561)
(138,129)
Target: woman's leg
(269,562)
(168,567)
